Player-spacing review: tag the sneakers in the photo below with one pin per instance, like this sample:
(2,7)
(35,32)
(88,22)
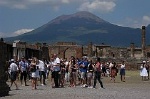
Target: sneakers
(94,88)
(102,87)
(85,85)
(90,87)
(42,84)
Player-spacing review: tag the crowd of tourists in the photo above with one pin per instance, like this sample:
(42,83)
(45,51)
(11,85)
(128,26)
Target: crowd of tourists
(64,73)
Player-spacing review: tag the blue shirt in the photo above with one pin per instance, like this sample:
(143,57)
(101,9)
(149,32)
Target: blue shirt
(85,63)
(23,65)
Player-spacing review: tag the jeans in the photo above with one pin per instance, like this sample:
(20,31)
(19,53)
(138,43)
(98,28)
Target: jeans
(97,77)
(42,76)
(56,78)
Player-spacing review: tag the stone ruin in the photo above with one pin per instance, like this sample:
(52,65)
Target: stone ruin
(4,88)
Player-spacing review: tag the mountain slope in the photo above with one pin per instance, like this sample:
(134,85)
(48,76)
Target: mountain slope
(82,27)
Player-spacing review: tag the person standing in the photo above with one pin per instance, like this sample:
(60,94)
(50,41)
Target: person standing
(23,66)
(73,71)
(147,68)
(62,73)
(103,66)
(56,67)
(13,73)
(122,72)
(97,73)
(143,72)
(51,66)
(113,72)
(67,73)
(90,71)
(83,70)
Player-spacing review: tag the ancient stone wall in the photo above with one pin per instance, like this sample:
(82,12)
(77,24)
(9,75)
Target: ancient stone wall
(4,88)
(66,50)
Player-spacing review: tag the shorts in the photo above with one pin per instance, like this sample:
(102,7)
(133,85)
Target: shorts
(52,74)
(89,75)
(13,76)
(83,75)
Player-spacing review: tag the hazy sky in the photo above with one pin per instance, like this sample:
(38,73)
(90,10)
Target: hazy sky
(20,16)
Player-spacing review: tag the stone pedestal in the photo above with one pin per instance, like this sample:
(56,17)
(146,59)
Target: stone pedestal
(4,88)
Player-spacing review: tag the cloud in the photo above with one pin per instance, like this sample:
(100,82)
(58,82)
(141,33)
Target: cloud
(133,22)
(137,22)
(98,5)
(90,5)
(16,33)
(2,35)
(65,1)
(21,31)
(146,20)
(13,4)
(24,4)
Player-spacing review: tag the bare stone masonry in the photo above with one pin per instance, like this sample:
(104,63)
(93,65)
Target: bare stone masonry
(4,88)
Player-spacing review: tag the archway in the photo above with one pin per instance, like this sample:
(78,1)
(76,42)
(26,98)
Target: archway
(70,52)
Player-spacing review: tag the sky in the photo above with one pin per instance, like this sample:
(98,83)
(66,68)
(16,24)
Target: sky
(20,16)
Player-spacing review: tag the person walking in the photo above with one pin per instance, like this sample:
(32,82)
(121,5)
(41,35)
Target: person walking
(34,75)
(97,73)
(42,72)
(13,73)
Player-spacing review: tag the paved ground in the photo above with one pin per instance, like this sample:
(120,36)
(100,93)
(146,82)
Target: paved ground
(131,89)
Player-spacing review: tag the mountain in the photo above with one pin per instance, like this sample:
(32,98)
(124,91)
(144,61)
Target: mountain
(82,27)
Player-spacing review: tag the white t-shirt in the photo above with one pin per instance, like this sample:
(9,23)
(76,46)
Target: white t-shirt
(122,66)
(41,65)
(111,65)
(56,61)
(13,67)
(66,63)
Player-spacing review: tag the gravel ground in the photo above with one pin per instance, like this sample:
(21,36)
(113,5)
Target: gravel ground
(118,90)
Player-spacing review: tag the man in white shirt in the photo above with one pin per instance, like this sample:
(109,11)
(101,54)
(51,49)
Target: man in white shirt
(42,72)
(13,73)
(56,68)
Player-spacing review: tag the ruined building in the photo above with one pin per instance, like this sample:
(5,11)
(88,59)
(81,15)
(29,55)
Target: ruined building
(67,49)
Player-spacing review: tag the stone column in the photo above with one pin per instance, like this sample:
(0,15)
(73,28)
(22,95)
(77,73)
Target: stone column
(90,49)
(143,41)
(79,51)
(132,47)
(45,52)
(15,51)
(4,88)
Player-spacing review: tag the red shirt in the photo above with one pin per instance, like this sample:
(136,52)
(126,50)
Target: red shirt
(98,66)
